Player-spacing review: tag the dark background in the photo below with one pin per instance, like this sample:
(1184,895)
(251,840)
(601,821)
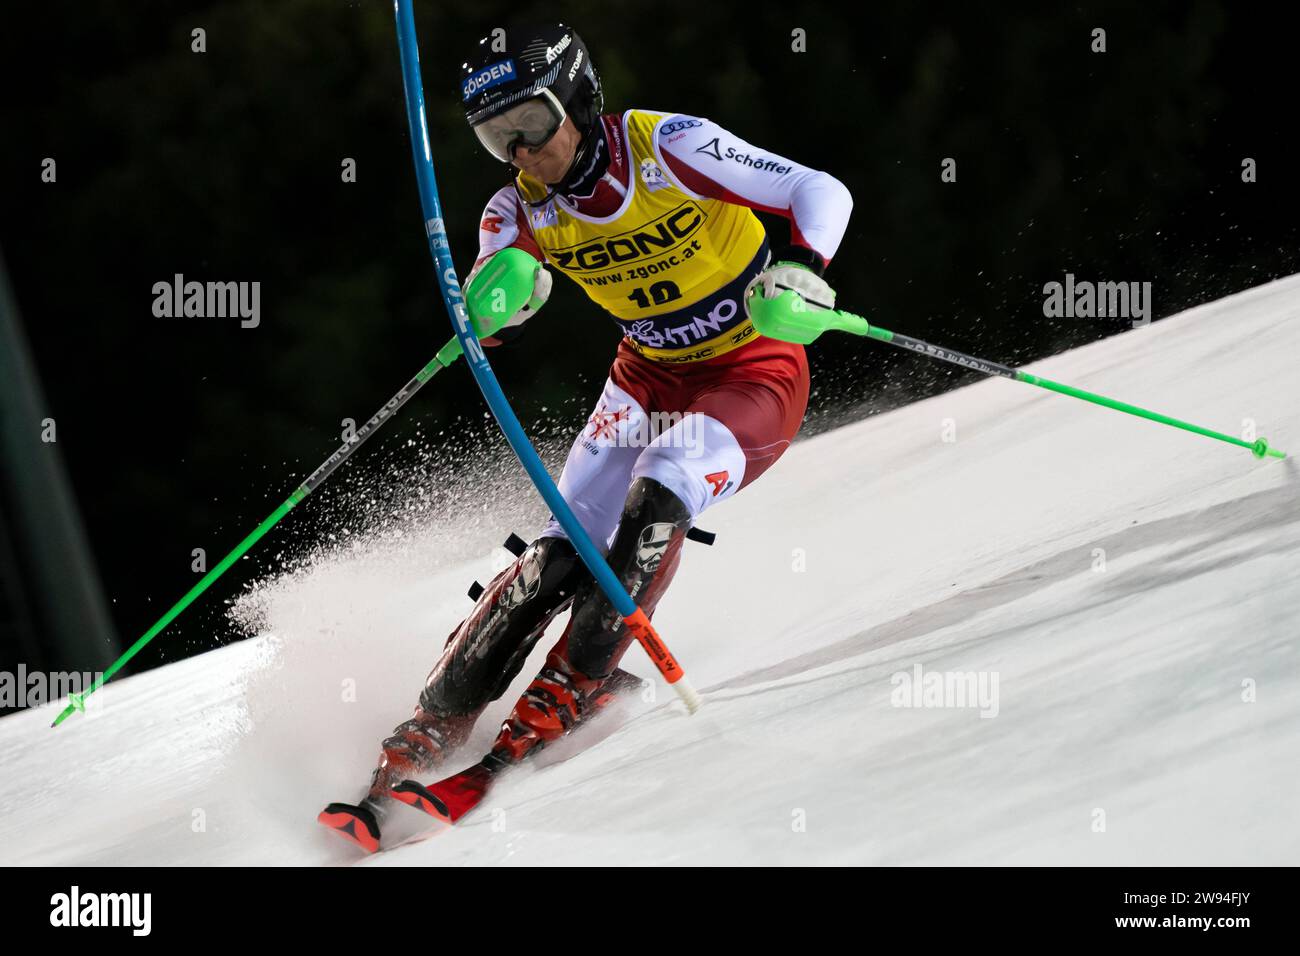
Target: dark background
(184,433)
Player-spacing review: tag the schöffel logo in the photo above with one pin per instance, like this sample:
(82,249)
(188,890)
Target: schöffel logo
(655,237)
(669,128)
(488,77)
(711,148)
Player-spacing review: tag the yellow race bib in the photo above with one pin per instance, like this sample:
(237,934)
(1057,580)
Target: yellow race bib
(669,267)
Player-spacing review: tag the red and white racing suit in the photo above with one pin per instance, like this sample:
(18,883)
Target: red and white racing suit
(703,427)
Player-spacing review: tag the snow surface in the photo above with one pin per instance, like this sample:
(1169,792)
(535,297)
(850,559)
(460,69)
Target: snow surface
(1121,688)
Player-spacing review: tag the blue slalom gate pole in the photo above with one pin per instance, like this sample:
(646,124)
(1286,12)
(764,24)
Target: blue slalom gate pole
(435,230)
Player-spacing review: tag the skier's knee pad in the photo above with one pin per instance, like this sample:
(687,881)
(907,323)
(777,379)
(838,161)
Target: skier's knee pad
(644,555)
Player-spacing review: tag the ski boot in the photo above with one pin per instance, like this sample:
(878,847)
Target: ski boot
(450,799)
(481,657)
(576,681)
(416,746)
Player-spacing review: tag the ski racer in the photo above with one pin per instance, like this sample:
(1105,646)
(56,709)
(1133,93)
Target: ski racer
(651,212)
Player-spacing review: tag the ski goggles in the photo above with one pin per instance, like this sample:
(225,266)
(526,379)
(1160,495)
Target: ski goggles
(531,123)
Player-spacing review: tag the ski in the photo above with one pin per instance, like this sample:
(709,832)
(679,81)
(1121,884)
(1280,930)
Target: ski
(452,797)
(353,822)
(446,800)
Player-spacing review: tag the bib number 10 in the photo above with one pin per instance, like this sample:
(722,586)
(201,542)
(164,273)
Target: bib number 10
(655,294)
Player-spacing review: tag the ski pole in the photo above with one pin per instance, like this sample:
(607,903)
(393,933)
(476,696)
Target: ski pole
(435,231)
(787,317)
(446,355)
